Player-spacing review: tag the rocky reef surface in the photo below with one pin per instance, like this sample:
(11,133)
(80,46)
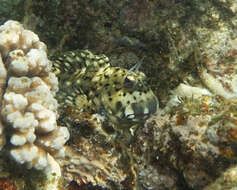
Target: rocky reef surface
(189,53)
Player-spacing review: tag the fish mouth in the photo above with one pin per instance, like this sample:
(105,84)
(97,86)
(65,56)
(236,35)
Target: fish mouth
(140,111)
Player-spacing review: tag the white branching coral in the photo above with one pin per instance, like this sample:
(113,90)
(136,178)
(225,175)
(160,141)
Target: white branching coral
(28,106)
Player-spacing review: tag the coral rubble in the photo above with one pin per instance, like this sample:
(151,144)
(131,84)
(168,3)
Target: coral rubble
(197,129)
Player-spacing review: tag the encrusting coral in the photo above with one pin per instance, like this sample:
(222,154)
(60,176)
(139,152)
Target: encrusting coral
(28,106)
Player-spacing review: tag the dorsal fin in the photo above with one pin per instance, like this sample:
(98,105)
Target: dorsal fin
(136,67)
(75,61)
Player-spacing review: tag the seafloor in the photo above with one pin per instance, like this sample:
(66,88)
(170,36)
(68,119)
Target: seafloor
(189,54)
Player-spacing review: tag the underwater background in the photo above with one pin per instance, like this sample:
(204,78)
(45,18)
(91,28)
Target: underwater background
(188,53)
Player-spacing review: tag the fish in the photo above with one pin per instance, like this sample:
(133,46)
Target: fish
(89,83)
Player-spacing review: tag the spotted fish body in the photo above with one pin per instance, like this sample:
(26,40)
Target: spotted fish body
(122,96)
